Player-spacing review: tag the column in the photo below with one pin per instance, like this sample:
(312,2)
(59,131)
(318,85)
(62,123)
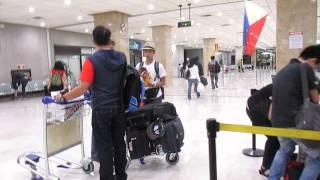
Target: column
(238,53)
(177,58)
(117,22)
(296,16)
(161,36)
(208,51)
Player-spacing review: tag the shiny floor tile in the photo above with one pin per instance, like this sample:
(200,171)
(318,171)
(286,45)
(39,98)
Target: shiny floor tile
(21,131)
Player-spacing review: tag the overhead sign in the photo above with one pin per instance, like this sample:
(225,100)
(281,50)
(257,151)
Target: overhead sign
(184,24)
(295,40)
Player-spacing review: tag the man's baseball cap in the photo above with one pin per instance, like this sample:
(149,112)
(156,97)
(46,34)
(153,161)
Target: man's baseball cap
(149,46)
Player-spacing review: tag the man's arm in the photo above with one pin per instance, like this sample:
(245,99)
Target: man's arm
(77,91)
(161,83)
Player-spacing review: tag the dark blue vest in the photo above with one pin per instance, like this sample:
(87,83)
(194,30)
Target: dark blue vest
(109,67)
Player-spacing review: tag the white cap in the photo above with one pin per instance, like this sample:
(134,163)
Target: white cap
(149,45)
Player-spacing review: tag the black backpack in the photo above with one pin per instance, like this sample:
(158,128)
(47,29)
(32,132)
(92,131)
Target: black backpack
(133,88)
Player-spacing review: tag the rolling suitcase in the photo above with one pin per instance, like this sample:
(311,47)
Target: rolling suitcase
(138,143)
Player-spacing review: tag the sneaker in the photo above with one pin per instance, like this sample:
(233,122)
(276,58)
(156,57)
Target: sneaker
(217,86)
(198,94)
(142,161)
(264,172)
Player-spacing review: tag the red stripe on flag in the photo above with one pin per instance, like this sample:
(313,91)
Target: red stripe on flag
(253,35)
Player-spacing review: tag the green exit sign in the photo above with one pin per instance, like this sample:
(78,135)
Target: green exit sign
(184,24)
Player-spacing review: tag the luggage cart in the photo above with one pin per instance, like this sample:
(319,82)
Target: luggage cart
(62,130)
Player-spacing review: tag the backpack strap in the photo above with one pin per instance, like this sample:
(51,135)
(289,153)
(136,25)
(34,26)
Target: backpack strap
(141,64)
(156,68)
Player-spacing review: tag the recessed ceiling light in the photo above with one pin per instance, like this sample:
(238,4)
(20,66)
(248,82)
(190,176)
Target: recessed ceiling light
(274,28)
(198,24)
(109,24)
(220,14)
(174,36)
(151,7)
(149,22)
(86,30)
(148,39)
(143,30)
(211,29)
(31,9)
(231,21)
(131,37)
(42,24)
(196,1)
(79,18)
(206,37)
(67,2)
(183,18)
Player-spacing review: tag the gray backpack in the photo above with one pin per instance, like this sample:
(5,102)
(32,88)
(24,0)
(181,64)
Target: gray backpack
(308,118)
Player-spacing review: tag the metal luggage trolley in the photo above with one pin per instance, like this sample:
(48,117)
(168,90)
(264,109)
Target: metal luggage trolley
(62,130)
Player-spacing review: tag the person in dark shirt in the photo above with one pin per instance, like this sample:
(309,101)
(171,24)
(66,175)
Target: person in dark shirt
(287,98)
(20,78)
(258,110)
(103,73)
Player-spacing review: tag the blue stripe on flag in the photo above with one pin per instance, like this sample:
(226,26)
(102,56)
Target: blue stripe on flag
(245,28)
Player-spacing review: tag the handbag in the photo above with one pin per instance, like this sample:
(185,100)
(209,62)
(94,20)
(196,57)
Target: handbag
(151,93)
(308,117)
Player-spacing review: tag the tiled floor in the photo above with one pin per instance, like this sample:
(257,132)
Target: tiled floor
(21,131)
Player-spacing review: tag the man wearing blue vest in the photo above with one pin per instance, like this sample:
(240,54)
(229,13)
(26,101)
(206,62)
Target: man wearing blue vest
(103,73)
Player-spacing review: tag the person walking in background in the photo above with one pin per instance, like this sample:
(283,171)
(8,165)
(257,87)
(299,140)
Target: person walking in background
(58,79)
(192,74)
(214,70)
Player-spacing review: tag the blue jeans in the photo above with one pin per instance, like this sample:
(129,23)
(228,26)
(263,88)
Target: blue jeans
(287,146)
(190,82)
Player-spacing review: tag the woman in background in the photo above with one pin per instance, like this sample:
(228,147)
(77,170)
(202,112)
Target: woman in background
(58,79)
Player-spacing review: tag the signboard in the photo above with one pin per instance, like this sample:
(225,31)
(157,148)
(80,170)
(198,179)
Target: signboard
(135,45)
(184,24)
(295,40)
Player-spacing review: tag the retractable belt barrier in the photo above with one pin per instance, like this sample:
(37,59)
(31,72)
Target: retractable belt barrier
(213,127)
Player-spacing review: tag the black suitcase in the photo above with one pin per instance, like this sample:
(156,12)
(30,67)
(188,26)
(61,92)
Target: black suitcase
(141,118)
(172,141)
(138,143)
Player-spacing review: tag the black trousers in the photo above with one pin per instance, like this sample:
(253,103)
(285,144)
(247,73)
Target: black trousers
(108,130)
(272,144)
(23,82)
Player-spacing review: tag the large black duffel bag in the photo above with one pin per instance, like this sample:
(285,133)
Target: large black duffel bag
(142,117)
(172,141)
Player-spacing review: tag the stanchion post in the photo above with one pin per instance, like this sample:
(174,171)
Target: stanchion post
(212,129)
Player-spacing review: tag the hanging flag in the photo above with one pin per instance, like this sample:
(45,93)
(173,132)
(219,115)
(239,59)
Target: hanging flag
(254,20)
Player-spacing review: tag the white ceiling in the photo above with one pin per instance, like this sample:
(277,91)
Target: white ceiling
(56,13)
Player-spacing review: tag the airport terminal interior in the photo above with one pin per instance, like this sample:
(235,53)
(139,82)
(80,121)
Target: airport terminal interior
(250,40)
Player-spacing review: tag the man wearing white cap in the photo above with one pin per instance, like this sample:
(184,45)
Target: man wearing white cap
(153,74)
